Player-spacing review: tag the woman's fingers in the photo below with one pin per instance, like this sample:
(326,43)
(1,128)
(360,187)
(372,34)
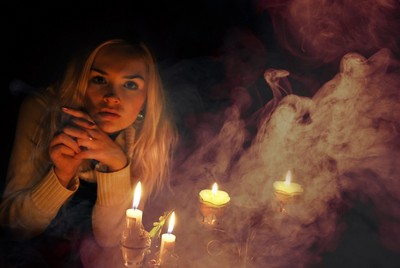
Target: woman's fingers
(78,114)
(83,128)
(66,140)
(61,149)
(84,123)
(80,133)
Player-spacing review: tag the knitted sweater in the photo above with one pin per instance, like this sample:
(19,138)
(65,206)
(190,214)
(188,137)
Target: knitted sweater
(34,196)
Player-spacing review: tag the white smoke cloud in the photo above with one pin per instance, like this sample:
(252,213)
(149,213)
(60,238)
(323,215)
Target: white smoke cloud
(323,31)
(342,146)
(315,35)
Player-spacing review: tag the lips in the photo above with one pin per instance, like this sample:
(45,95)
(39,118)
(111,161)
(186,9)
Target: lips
(108,114)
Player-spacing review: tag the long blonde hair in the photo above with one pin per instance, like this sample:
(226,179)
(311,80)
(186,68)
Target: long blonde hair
(152,147)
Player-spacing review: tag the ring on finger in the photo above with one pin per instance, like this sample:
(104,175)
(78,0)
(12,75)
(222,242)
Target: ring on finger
(90,136)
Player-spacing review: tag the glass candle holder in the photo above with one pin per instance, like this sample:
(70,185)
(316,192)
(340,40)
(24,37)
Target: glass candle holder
(169,260)
(133,257)
(212,214)
(286,199)
(213,205)
(135,243)
(287,191)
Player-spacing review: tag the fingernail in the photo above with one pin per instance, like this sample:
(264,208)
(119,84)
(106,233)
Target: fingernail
(64,108)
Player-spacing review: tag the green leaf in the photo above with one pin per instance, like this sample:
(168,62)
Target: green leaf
(156,230)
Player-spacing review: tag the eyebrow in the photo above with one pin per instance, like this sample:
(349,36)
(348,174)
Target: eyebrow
(126,76)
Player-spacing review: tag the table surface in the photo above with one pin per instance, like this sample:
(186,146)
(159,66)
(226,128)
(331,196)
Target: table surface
(198,244)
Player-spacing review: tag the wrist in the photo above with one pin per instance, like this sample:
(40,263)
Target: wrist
(117,167)
(65,180)
(118,164)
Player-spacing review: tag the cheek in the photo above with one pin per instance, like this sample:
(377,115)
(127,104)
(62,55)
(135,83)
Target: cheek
(134,107)
(129,115)
(91,101)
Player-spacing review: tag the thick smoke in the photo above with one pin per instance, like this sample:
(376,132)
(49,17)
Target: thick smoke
(345,140)
(342,146)
(323,31)
(315,35)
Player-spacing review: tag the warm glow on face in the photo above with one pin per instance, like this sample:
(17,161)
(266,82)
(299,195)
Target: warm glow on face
(136,195)
(171,222)
(288,178)
(214,188)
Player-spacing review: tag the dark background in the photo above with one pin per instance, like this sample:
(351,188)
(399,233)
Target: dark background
(38,40)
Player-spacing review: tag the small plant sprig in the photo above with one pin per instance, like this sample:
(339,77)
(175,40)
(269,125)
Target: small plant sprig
(157,226)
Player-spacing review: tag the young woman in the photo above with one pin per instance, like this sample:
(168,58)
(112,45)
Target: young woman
(82,145)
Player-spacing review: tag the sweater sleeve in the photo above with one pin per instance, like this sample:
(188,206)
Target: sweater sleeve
(33,194)
(114,196)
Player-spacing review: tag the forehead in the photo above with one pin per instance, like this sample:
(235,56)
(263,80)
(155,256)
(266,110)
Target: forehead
(119,58)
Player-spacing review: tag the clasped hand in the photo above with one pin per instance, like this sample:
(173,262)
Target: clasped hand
(81,139)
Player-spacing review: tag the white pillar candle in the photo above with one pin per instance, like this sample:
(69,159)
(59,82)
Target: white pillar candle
(168,241)
(135,213)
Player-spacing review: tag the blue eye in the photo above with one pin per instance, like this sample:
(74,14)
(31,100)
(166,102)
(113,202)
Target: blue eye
(99,80)
(131,85)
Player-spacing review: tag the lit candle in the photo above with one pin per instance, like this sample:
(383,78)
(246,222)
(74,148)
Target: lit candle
(135,240)
(135,213)
(214,197)
(287,187)
(168,242)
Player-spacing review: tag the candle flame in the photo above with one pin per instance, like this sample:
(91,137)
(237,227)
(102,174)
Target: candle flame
(288,178)
(214,188)
(171,222)
(136,195)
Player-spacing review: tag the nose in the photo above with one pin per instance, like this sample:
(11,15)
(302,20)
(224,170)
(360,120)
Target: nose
(111,97)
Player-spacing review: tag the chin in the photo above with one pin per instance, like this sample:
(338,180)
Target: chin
(109,128)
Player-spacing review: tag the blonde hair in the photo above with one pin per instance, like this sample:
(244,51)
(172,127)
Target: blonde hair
(151,151)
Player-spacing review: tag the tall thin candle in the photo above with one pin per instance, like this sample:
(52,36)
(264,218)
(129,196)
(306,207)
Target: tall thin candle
(168,241)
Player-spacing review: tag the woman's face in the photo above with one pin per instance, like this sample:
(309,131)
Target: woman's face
(117,89)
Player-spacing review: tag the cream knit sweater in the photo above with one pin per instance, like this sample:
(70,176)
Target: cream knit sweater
(33,194)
